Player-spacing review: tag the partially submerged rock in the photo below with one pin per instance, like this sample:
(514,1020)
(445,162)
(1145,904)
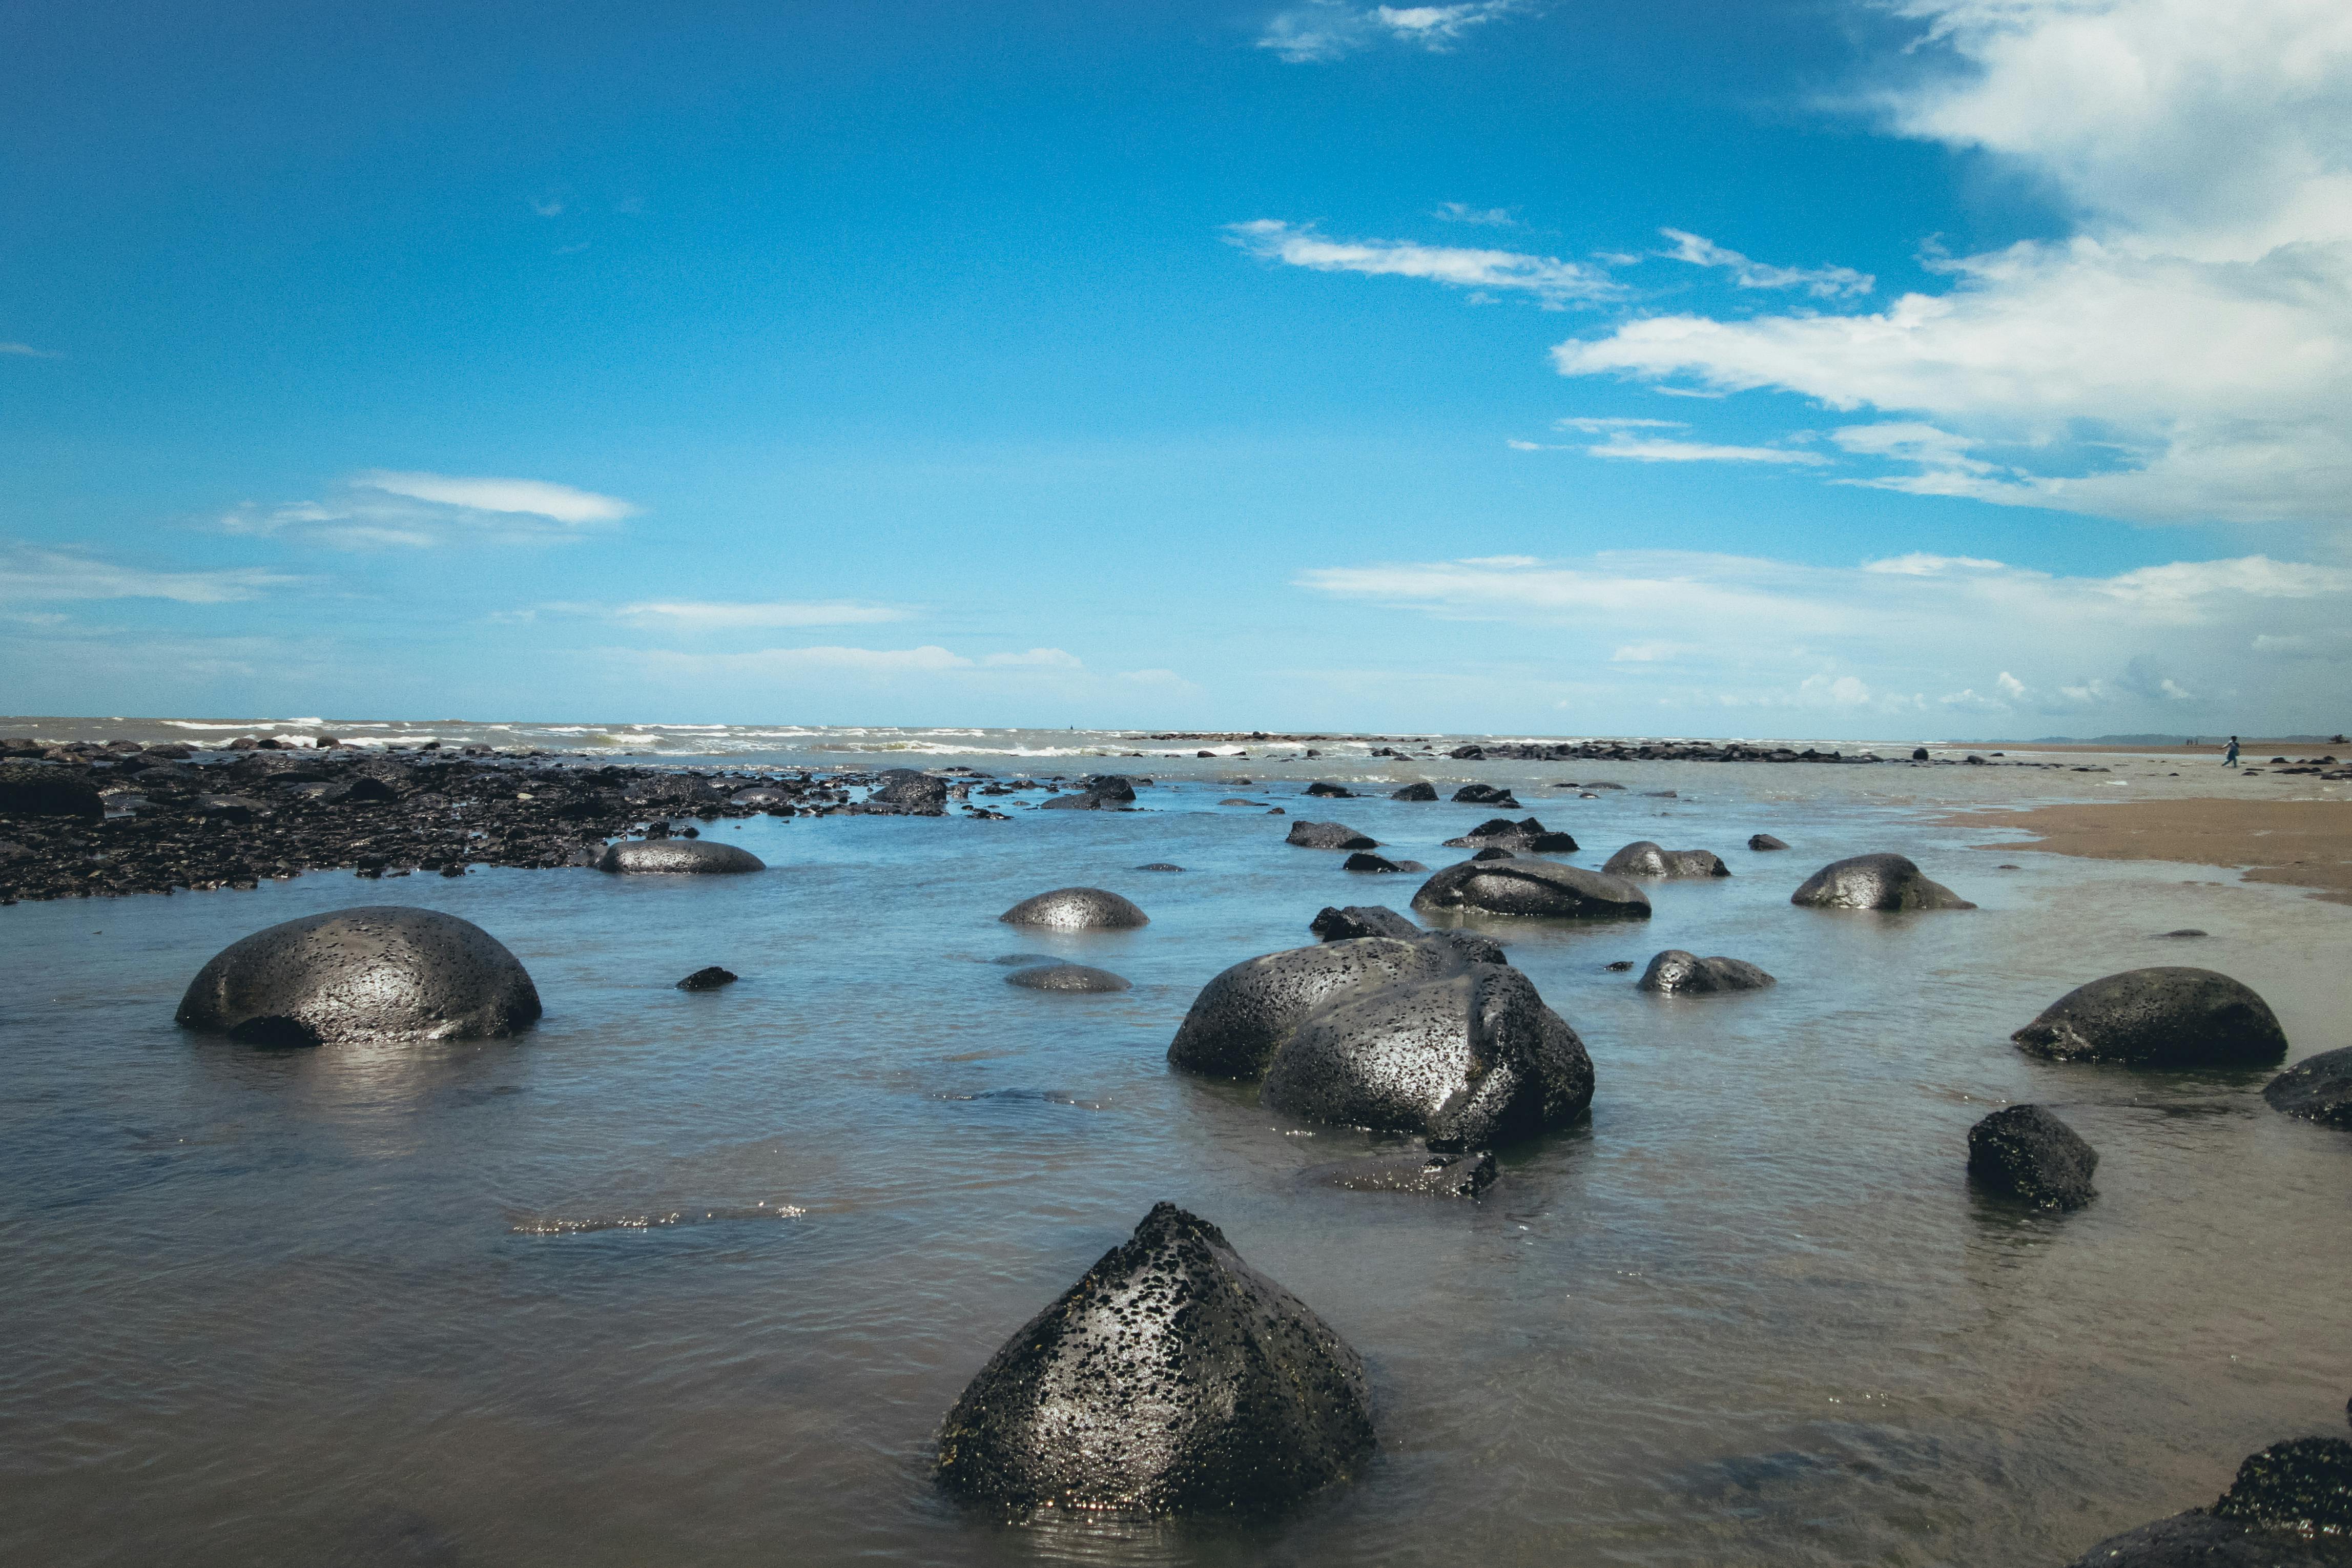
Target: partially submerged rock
(676,856)
(1243,1015)
(2317,1088)
(2025,1152)
(906,791)
(1675,973)
(709,979)
(1076,909)
(1330,790)
(1446,1175)
(1069,977)
(2167,1016)
(1362,919)
(1328,836)
(1362,860)
(1173,1378)
(1761,841)
(1485,795)
(1414,791)
(383,973)
(1533,888)
(1527,836)
(1159,865)
(2290,1507)
(1886,882)
(1643,858)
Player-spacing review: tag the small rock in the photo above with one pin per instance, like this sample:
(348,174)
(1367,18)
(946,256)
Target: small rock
(2023,1151)
(1328,836)
(1618,965)
(1761,841)
(1069,977)
(1159,865)
(1330,790)
(2184,933)
(1675,973)
(1362,919)
(707,979)
(1464,1175)
(1414,791)
(1361,861)
(2316,1088)
(1643,858)
(1485,795)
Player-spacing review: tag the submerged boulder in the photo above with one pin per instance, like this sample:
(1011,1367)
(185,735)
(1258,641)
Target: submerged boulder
(1675,973)
(1445,1175)
(1363,861)
(1076,909)
(906,791)
(1362,919)
(1533,888)
(709,978)
(2290,1507)
(676,856)
(1069,977)
(1244,1015)
(1173,1378)
(1643,858)
(384,973)
(1525,836)
(1330,790)
(2168,1016)
(1328,836)
(1414,791)
(2023,1151)
(1761,841)
(1888,882)
(2317,1088)
(1485,795)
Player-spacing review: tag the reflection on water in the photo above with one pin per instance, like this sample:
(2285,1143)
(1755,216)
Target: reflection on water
(526,1301)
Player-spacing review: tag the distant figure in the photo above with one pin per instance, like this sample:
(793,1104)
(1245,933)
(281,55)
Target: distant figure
(2230,757)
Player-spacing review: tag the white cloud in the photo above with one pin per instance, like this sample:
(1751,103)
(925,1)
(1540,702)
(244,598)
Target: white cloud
(1822,282)
(1490,217)
(549,208)
(704,615)
(1547,277)
(2156,646)
(1598,426)
(536,497)
(1330,29)
(385,510)
(2186,356)
(30,574)
(1034,658)
(1652,449)
(27,350)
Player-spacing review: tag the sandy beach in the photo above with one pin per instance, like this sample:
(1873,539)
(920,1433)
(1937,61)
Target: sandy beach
(2301,843)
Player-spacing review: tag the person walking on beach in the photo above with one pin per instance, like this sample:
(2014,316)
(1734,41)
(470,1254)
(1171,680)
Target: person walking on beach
(2230,757)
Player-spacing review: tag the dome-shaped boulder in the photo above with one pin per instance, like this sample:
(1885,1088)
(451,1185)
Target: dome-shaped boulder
(1328,836)
(1414,791)
(1533,888)
(1173,1378)
(2023,1151)
(1243,1015)
(1362,919)
(1525,836)
(1643,858)
(1887,882)
(1675,973)
(2317,1088)
(1076,909)
(676,856)
(1764,841)
(384,973)
(1068,977)
(2168,1016)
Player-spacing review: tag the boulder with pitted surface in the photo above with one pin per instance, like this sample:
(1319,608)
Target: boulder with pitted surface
(1076,909)
(676,856)
(1675,972)
(1643,858)
(2167,1016)
(1536,888)
(1884,882)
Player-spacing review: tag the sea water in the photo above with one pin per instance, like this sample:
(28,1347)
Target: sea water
(691,1278)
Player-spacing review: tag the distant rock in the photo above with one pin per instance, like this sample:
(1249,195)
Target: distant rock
(1485,795)
(1526,836)
(1761,841)
(1918,754)
(387,973)
(676,856)
(709,979)
(1463,1175)
(1361,861)
(2025,1152)
(2184,934)
(1494,852)
(1328,836)
(1331,791)
(1884,882)
(2316,1088)
(2160,1018)
(1362,919)
(1076,909)
(906,791)
(1071,978)
(1643,858)
(1540,888)
(1173,1378)
(1159,865)
(1675,973)
(1414,791)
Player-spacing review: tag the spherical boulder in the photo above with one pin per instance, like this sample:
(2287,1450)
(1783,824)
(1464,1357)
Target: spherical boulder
(1886,882)
(2023,1151)
(1076,909)
(1328,836)
(1068,977)
(1173,1378)
(2168,1016)
(379,973)
(1675,973)
(676,856)
(2316,1088)
(1540,888)
(1643,858)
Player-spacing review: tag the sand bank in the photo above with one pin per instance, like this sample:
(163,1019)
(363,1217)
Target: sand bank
(2303,843)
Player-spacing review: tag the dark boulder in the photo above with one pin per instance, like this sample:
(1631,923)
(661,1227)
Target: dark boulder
(1362,919)
(366,790)
(1159,865)
(1243,1015)
(2025,1152)
(676,856)
(1328,836)
(1330,790)
(1533,888)
(906,791)
(1918,754)
(1082,800)
(763,797)
(1173,1378)
(1414,791)
(2290,1507)
(1362,861)
(1463,1175)
(2161,1018)
(1525,836)
(1076,909)
(1495,852)
(1485,795)
(1071,978)
(380,973)
(2317,1088)
(1886,882)
(1675,973)
(1643,858)
(1761,841)
(1119,789)
(709,979)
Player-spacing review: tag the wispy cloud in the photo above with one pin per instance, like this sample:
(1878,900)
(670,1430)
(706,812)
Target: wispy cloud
(1555,282)
(1822,282)
(1487,217)
(27,350)
(709,614)
(1655,449)
(551,207)
(560,503)
(1591,426)
(1330,29)
(30,574)
(386,510)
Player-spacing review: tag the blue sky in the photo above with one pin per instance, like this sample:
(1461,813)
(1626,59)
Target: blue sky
(1967,367)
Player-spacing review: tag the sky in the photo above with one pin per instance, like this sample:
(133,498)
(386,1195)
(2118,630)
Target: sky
(1823,368)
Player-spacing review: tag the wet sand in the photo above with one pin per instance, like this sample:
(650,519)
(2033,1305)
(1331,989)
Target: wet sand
(2301,843)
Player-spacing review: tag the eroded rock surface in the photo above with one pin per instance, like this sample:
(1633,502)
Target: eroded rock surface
(676,857)
(2317,1088)
(1643,858)
(1884,882)
(1539,888)
(2023,1151)
(1076,909)
(1675,972)
(2167,1016)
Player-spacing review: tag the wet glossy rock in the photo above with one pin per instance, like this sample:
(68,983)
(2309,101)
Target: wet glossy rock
(1244,1015)
(1071,978)
(1887,882)
(1159,865)
(2168,1016)
(709,978)
(1328,836)
(1463,1175)
(1761,841)
(906,791)
(1173,1378)
(1485,795)
(2290,1507)
(1675,973)
(2023,1151)
(676,856)
(1330,790)
(1362,919)
(380,973)
(1643,858)
(1527,836)
(1538,887)
(1414,791)
(2317,1088)
(1363,861)
(1076,909)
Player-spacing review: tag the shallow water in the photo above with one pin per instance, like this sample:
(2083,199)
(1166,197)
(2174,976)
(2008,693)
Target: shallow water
(434,1307)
